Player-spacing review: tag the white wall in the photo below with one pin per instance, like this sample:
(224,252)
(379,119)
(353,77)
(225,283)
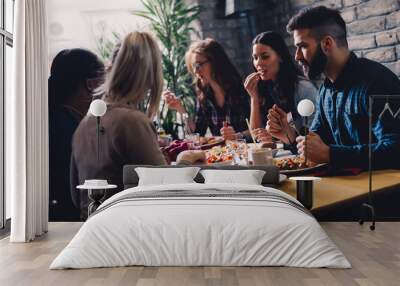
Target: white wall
(77,23)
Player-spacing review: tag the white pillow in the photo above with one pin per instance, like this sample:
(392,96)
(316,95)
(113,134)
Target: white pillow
(248,177)
(165,176)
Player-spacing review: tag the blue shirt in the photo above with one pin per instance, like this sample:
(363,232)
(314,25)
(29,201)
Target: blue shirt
(342,116)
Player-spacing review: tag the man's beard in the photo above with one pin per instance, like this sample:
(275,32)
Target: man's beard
(317,65)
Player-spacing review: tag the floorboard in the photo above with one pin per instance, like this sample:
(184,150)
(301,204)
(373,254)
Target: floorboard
(374,255)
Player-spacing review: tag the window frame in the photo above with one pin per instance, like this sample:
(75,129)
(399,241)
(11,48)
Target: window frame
(6,39)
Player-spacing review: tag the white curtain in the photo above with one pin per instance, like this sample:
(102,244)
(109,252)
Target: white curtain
(27,123)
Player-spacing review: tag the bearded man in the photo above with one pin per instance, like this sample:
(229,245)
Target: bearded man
(339,133)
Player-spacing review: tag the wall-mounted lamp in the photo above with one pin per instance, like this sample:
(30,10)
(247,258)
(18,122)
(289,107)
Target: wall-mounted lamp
(98,108)
(305,109)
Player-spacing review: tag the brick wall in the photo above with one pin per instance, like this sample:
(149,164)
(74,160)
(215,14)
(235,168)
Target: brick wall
(373,27)
(233,34)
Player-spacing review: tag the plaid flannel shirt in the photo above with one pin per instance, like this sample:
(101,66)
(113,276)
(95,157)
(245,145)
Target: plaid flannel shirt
(235,111)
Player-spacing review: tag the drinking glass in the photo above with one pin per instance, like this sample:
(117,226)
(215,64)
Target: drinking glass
(260,156)
(238,149)
(193,140)
(186,125)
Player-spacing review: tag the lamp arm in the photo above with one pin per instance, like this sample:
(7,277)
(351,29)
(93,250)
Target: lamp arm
(98,139)
(305,138)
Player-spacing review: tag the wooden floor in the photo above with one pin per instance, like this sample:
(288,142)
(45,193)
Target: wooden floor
(375,257)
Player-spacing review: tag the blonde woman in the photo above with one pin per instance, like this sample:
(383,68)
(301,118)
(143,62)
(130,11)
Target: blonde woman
(129,136)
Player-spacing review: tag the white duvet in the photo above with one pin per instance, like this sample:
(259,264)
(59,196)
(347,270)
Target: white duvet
(192,231)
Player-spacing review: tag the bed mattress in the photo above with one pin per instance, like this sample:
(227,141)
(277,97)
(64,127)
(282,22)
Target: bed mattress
(201,225)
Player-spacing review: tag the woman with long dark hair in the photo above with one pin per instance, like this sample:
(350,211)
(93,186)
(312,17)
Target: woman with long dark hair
(221,98)
(276,87)
(74,75)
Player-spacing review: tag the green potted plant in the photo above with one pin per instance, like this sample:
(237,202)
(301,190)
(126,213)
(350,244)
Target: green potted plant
(105,43)
(171,20)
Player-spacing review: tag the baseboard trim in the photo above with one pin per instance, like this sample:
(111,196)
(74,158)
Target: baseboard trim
(5,231)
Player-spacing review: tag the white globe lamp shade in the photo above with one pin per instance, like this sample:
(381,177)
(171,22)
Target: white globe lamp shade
(305,107)
(98,108)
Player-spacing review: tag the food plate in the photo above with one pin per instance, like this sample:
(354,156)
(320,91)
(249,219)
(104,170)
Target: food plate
(291,165)
(223,163)
(219,155)
(303,170)
(209,142)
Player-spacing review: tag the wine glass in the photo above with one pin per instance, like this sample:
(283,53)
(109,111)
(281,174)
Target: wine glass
(193,140)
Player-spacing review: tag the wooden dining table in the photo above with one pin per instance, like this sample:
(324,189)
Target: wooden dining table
(338,196)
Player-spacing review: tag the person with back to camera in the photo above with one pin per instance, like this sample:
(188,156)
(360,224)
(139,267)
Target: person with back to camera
(75,74)
(129,135)
(276,87)
(340,128)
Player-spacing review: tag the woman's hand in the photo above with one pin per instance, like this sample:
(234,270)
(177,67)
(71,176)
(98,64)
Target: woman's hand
(173,102)
(262,135)
(228,132)
(278,125)
(251,85)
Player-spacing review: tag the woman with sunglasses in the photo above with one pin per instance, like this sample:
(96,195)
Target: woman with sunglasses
(221,98)
(275,89)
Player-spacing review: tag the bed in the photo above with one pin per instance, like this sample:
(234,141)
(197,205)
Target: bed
(197,224)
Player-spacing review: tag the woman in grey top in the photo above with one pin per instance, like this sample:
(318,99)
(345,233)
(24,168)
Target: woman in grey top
(275,87)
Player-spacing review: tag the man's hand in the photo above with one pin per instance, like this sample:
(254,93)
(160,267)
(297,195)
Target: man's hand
(278,125)
(317,151)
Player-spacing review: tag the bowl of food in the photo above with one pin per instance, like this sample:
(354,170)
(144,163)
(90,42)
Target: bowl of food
(219,155)
(290,163)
